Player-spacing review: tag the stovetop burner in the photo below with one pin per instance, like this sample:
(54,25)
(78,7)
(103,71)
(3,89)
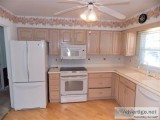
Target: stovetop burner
(73,69)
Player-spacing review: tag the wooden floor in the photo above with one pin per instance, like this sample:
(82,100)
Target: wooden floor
(92,110)
(4,102)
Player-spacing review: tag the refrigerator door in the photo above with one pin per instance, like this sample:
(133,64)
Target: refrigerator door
(19,61)
(29,95)
(36,61)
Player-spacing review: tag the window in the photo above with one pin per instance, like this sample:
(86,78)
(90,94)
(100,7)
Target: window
(149,47)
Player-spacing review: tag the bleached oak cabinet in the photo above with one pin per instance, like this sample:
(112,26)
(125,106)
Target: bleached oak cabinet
(54,87)
(25,33)
(115,86)
(128,43)
(97,42)
(54,41)
(30,34)
(99,85)
(127,92)
(106,42)
(41,34)
(93,42)
(117,41)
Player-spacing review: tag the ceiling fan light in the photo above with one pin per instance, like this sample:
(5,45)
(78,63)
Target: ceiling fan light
(92,16)
(84,15)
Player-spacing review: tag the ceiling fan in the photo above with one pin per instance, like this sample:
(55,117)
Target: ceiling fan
(89,14)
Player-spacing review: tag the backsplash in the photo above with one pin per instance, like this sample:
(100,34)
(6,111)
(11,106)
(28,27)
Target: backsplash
(90,61)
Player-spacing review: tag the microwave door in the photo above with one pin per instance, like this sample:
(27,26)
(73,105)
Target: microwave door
(68,53)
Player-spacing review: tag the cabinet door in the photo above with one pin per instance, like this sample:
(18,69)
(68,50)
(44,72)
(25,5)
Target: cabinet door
(66,36)
(106,43)
(93,42)
(41,34)
(79,37)
(54,41)
(129,43)
(116,43)
(121,96)
(116,86)
(25,34)
(129,97)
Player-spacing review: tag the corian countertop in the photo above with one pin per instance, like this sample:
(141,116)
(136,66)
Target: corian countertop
(139,78)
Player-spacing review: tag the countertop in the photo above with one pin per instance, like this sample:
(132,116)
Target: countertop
(139,78)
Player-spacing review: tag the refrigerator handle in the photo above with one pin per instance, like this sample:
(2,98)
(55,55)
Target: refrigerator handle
(25,62)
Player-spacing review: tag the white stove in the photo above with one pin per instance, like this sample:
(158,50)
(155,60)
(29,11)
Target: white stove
(74,81)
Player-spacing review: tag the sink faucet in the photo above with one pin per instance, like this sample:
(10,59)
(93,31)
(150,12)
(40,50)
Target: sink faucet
(144,67)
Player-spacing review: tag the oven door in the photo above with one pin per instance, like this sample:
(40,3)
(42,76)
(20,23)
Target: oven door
(73,85)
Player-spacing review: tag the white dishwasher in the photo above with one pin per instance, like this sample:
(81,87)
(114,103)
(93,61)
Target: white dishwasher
(145,98)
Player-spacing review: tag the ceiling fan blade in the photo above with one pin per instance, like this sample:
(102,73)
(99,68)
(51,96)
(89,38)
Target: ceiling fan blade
(111,12)
(73,1)
(112,2)
(68,10)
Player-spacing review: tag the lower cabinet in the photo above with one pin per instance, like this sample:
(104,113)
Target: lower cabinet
(127,92)
(54,87)
(115,86)
(99,85)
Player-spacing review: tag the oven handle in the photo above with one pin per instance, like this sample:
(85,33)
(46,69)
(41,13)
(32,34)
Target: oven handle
(74,78)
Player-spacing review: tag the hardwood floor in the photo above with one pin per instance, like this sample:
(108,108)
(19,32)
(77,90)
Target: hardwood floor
(91,110)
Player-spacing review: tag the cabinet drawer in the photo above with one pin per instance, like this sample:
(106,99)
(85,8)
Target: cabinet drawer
(54,95)
(54,76)
(99,75)
(94,93)
(53,87)
(100,83)
(128,83)
(54,82)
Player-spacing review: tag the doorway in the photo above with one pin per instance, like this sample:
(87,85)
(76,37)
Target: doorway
(4,84)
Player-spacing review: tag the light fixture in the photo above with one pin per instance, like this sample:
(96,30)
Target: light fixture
(89,14)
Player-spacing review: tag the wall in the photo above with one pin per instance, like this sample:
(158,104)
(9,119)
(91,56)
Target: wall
(10,33)
(90,61)
(2,49)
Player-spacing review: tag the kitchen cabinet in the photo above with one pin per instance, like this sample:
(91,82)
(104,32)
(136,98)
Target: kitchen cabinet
(41,34)
(80,36)
(66,36)
(115,86)
(54,87)
(127,92)
(106,42)
(93,42)
(54,41)
(99,85)
(25,33)
(128,43)
(117,41)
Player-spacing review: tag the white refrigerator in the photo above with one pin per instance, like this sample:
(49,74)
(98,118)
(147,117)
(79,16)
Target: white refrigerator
(29,74)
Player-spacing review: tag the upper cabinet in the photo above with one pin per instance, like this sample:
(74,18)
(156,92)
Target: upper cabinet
(54,41)
(128,43)
(73,36)
(97,42)
(106,42)
(25,33)
(117,41)
(41,34)
(80,37)
(66,36)
(32,34)
(93,42)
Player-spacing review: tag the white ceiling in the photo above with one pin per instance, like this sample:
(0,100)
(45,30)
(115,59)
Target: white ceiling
(48,7)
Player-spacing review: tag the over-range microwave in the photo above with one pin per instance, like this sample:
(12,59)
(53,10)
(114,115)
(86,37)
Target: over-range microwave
(69,51)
